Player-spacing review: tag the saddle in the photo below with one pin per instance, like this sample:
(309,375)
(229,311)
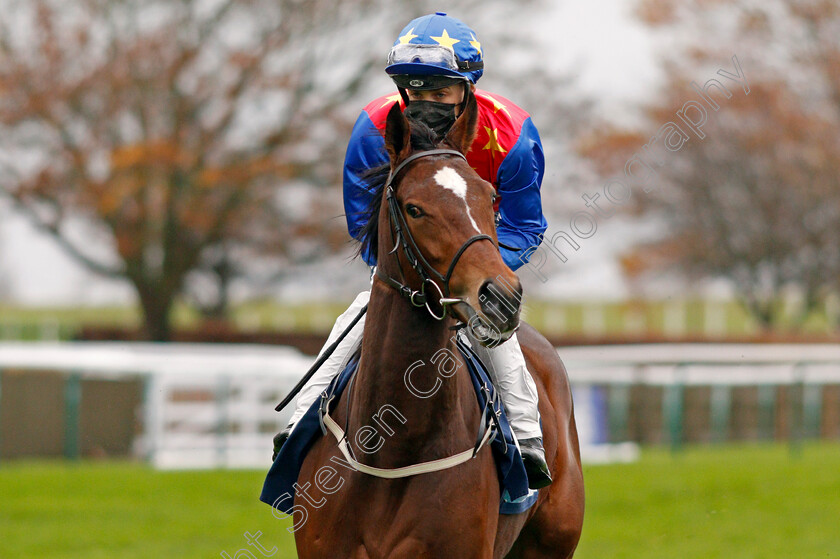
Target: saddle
(278,487)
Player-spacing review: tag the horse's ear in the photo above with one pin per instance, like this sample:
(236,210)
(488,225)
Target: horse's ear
(397,135)
(462,133)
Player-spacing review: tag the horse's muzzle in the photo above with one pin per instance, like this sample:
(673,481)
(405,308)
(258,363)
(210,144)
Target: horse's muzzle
(482,328)
(500,304)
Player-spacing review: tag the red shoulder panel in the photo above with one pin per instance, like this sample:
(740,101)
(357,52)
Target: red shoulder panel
(499,124)
(378,109)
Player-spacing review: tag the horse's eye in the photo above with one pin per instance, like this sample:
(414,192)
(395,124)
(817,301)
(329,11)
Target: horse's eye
(496,198)
(414,211)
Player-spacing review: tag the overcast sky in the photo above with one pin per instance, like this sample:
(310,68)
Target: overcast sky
(613,58)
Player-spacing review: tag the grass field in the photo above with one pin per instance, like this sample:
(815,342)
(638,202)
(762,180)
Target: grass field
(720,502)
(665,318)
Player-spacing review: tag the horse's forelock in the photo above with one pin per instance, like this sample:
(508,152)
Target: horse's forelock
(422,138)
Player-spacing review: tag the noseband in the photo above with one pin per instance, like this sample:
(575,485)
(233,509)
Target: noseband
(404,238)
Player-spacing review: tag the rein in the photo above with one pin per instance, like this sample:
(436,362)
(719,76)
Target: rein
(418,262)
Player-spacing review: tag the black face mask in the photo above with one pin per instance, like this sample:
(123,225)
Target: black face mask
(438,116)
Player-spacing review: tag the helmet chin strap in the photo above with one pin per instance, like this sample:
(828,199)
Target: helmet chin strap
(404,95)
(466,97)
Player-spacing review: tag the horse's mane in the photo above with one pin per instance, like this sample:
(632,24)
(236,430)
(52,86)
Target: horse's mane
(374,180)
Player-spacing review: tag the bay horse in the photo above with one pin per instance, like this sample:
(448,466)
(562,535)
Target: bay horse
(436,201)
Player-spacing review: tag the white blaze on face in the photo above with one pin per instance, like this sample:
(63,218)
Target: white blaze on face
(449,179)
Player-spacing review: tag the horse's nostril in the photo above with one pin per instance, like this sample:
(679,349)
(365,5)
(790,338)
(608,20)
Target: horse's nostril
(499,301)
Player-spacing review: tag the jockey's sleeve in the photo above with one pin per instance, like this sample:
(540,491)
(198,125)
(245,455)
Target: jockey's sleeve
(365,151)
(521,221)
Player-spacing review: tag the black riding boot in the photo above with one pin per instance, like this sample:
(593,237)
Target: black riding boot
(533,455)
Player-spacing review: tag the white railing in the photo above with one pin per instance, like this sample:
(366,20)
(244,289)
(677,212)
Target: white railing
(208,405)
(802,369)
(204,405)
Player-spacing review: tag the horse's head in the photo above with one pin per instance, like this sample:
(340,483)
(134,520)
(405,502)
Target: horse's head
(437,235)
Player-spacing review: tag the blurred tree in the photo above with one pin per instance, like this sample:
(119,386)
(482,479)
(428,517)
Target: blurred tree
(757,199)
(171,142)
(5,281)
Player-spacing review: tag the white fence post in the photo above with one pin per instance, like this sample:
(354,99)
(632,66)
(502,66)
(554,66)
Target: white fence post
(213,405)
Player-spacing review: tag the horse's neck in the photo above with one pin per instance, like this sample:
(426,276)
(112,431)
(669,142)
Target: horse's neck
(397,373)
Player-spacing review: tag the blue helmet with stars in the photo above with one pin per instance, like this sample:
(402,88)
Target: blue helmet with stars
(433,51)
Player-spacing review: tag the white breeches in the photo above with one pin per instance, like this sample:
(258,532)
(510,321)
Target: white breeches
(338,360)
(505,362)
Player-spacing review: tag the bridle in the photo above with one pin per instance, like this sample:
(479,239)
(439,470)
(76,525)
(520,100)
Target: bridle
(404,238)
(418,298)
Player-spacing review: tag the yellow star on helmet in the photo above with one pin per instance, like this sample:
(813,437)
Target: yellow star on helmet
(405,39)
(493,143)
(446,41)
(391,99)
(476,45)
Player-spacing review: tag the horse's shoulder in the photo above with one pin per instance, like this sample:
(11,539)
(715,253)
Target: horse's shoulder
(534,344)
(543,360)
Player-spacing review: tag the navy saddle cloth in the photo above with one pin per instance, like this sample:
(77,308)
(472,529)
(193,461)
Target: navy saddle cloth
(278,489)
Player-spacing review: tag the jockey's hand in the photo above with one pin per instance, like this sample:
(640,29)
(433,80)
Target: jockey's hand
(279,439)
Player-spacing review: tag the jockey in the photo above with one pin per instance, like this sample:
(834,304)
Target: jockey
(435,63)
